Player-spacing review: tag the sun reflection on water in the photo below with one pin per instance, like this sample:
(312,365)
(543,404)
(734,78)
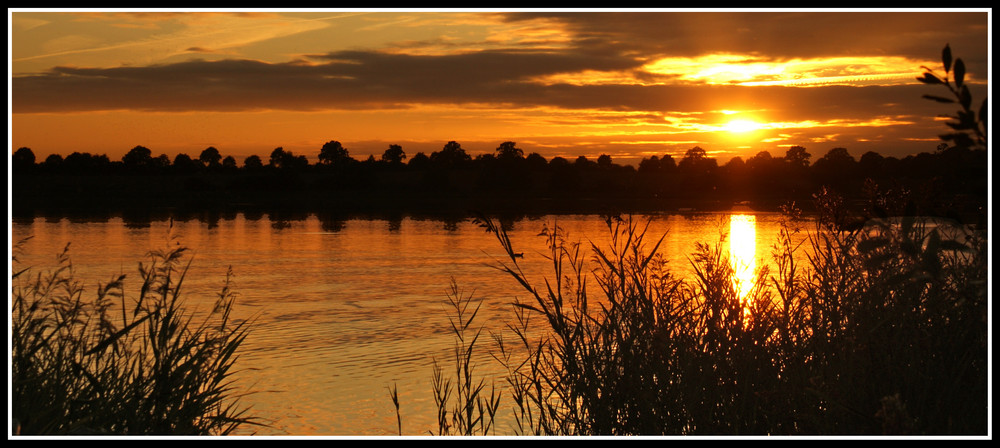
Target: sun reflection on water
(742,252)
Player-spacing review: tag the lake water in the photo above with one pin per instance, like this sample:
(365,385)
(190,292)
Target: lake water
(345,309)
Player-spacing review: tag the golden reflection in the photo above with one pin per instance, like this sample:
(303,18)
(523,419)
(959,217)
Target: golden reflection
(742,252)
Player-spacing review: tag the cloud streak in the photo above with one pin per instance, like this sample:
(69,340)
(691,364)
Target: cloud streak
(623,44)
(209,31)
(356,79)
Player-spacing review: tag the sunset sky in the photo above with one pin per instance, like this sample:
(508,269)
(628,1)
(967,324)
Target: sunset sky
(561,83)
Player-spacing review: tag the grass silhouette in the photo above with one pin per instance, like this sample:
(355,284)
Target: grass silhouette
(882,331)
(111,365)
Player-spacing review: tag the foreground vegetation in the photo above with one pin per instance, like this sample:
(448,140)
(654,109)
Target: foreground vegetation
(108,364)
(882,331)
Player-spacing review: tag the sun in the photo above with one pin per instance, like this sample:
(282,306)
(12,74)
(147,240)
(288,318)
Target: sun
(740,126)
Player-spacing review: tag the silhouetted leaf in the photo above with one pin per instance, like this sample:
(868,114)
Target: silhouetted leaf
(959,138)
(939,99)
(983,113)
(959,72)
(930,79)
(946,57)
(966,97)
(111,339)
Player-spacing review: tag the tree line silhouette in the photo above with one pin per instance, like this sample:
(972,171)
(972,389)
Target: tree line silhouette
(951,179)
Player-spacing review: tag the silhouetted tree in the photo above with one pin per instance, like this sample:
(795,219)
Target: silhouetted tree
(333,153)
(509,151)
(394,155)
(485,160)
(419,161)
(604,161)
(839,157)
(658,175)
(450,156)
(504,170)
(557,162)
(138,157)
(229,163)
(277,156)
(23,159)
(836,168)
(252,162)
(697,162)
(870,165)
(797,156)
(564,176)
(286,160)
(650,178)
(184,164)
(84,162)
(698,172)
(53,161)
(536,161)
(667,163)
(735,179)
(294,162)
(693,157)
(649,165)
(210,157)
(160,162)
(735,164)
(762,161)
(793,175)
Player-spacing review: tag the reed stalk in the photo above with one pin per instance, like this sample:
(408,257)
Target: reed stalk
(880,330)
(113,365)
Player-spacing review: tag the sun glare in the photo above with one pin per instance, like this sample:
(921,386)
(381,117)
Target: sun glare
(741,125)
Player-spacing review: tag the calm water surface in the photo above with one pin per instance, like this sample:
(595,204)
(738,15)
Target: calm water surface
(346,309)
